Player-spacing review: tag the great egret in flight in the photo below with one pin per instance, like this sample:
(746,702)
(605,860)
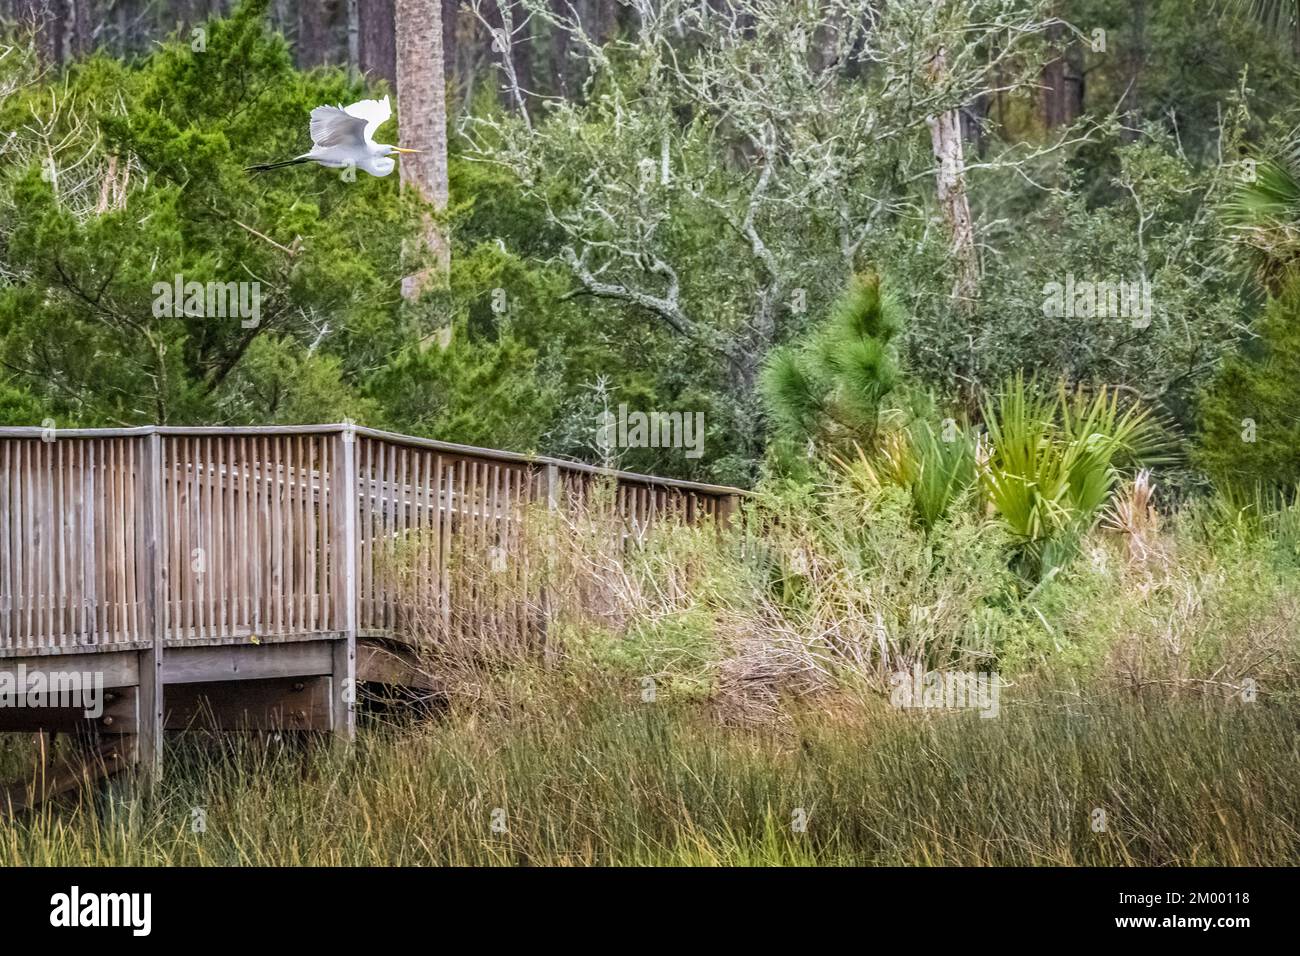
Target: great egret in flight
(343,136)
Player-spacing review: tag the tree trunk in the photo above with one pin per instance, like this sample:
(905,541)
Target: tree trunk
(561,65)
(950,183)
(422,113)
(321,25)
(1063,81)
(973,119)
(950,179)
(377,51)
(1134,60)
(450,25)
(354,34)
(50,20)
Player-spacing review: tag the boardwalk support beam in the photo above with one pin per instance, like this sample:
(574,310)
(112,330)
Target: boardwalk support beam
(343,689)
(149,701)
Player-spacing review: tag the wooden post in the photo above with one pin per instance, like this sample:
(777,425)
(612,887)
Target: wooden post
(552,504)
(343,582)
(727,509)
(552,486)
(152,571)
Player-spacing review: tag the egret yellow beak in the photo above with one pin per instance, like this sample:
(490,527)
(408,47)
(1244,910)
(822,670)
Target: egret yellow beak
(399,149)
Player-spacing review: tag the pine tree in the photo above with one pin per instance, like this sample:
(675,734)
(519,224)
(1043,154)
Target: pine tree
(828,390)
(1250,415)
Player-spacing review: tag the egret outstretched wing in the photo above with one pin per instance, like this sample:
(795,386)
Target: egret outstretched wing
(335,126)
(375,112)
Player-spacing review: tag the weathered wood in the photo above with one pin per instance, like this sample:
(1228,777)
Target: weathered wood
(118,668)
(149,716)
(240,527)
(343,659)
(187,665)
(383,663)
(238,566)
(284,703)
(118,717)
(95,762)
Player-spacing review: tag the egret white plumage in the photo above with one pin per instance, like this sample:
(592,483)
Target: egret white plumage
(343,136)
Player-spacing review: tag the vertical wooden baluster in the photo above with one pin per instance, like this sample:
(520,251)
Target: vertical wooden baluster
(301,537)
(161,452)
(220,560)
(120,630)
(445,490)
(238,478)
(381,531)
(131,536)
(6,552)
(311,595)
(176,519)
(19,552)
(306,541)
(109,552)
(37,519)
(277,539)
(493,536)
(184,518)
(198,512)
(116,556)
(194,549)
(45,524)
(86,541)
(394,493)
(22,540)
(212,542)
(265,536)
(290,535)
(60,534)
(464,520)
(368,504)
(325,562)
(417,596)
(432,502)
(104,542)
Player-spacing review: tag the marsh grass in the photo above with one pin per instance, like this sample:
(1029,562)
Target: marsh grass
(600,777)
(770,656)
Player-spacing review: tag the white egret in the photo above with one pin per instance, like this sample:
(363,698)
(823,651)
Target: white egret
(343,137)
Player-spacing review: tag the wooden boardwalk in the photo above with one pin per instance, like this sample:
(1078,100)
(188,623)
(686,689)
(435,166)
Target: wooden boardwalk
(248,574)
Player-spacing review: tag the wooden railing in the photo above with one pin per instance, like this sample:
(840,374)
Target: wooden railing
(120,538)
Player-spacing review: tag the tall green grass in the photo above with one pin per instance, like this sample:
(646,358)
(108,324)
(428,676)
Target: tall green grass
(1158,685)
(601,777)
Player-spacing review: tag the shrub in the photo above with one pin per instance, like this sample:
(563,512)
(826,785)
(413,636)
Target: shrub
(934,466)
(1250,426)
(829,389)
(1053,461)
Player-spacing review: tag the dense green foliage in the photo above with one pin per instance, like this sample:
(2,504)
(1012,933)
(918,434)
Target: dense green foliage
(829,390)
(122,174)
(79,328)
(1091,492)
(1251,428)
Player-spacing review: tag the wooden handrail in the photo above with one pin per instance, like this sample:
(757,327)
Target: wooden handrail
(160,535)
(474,451)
